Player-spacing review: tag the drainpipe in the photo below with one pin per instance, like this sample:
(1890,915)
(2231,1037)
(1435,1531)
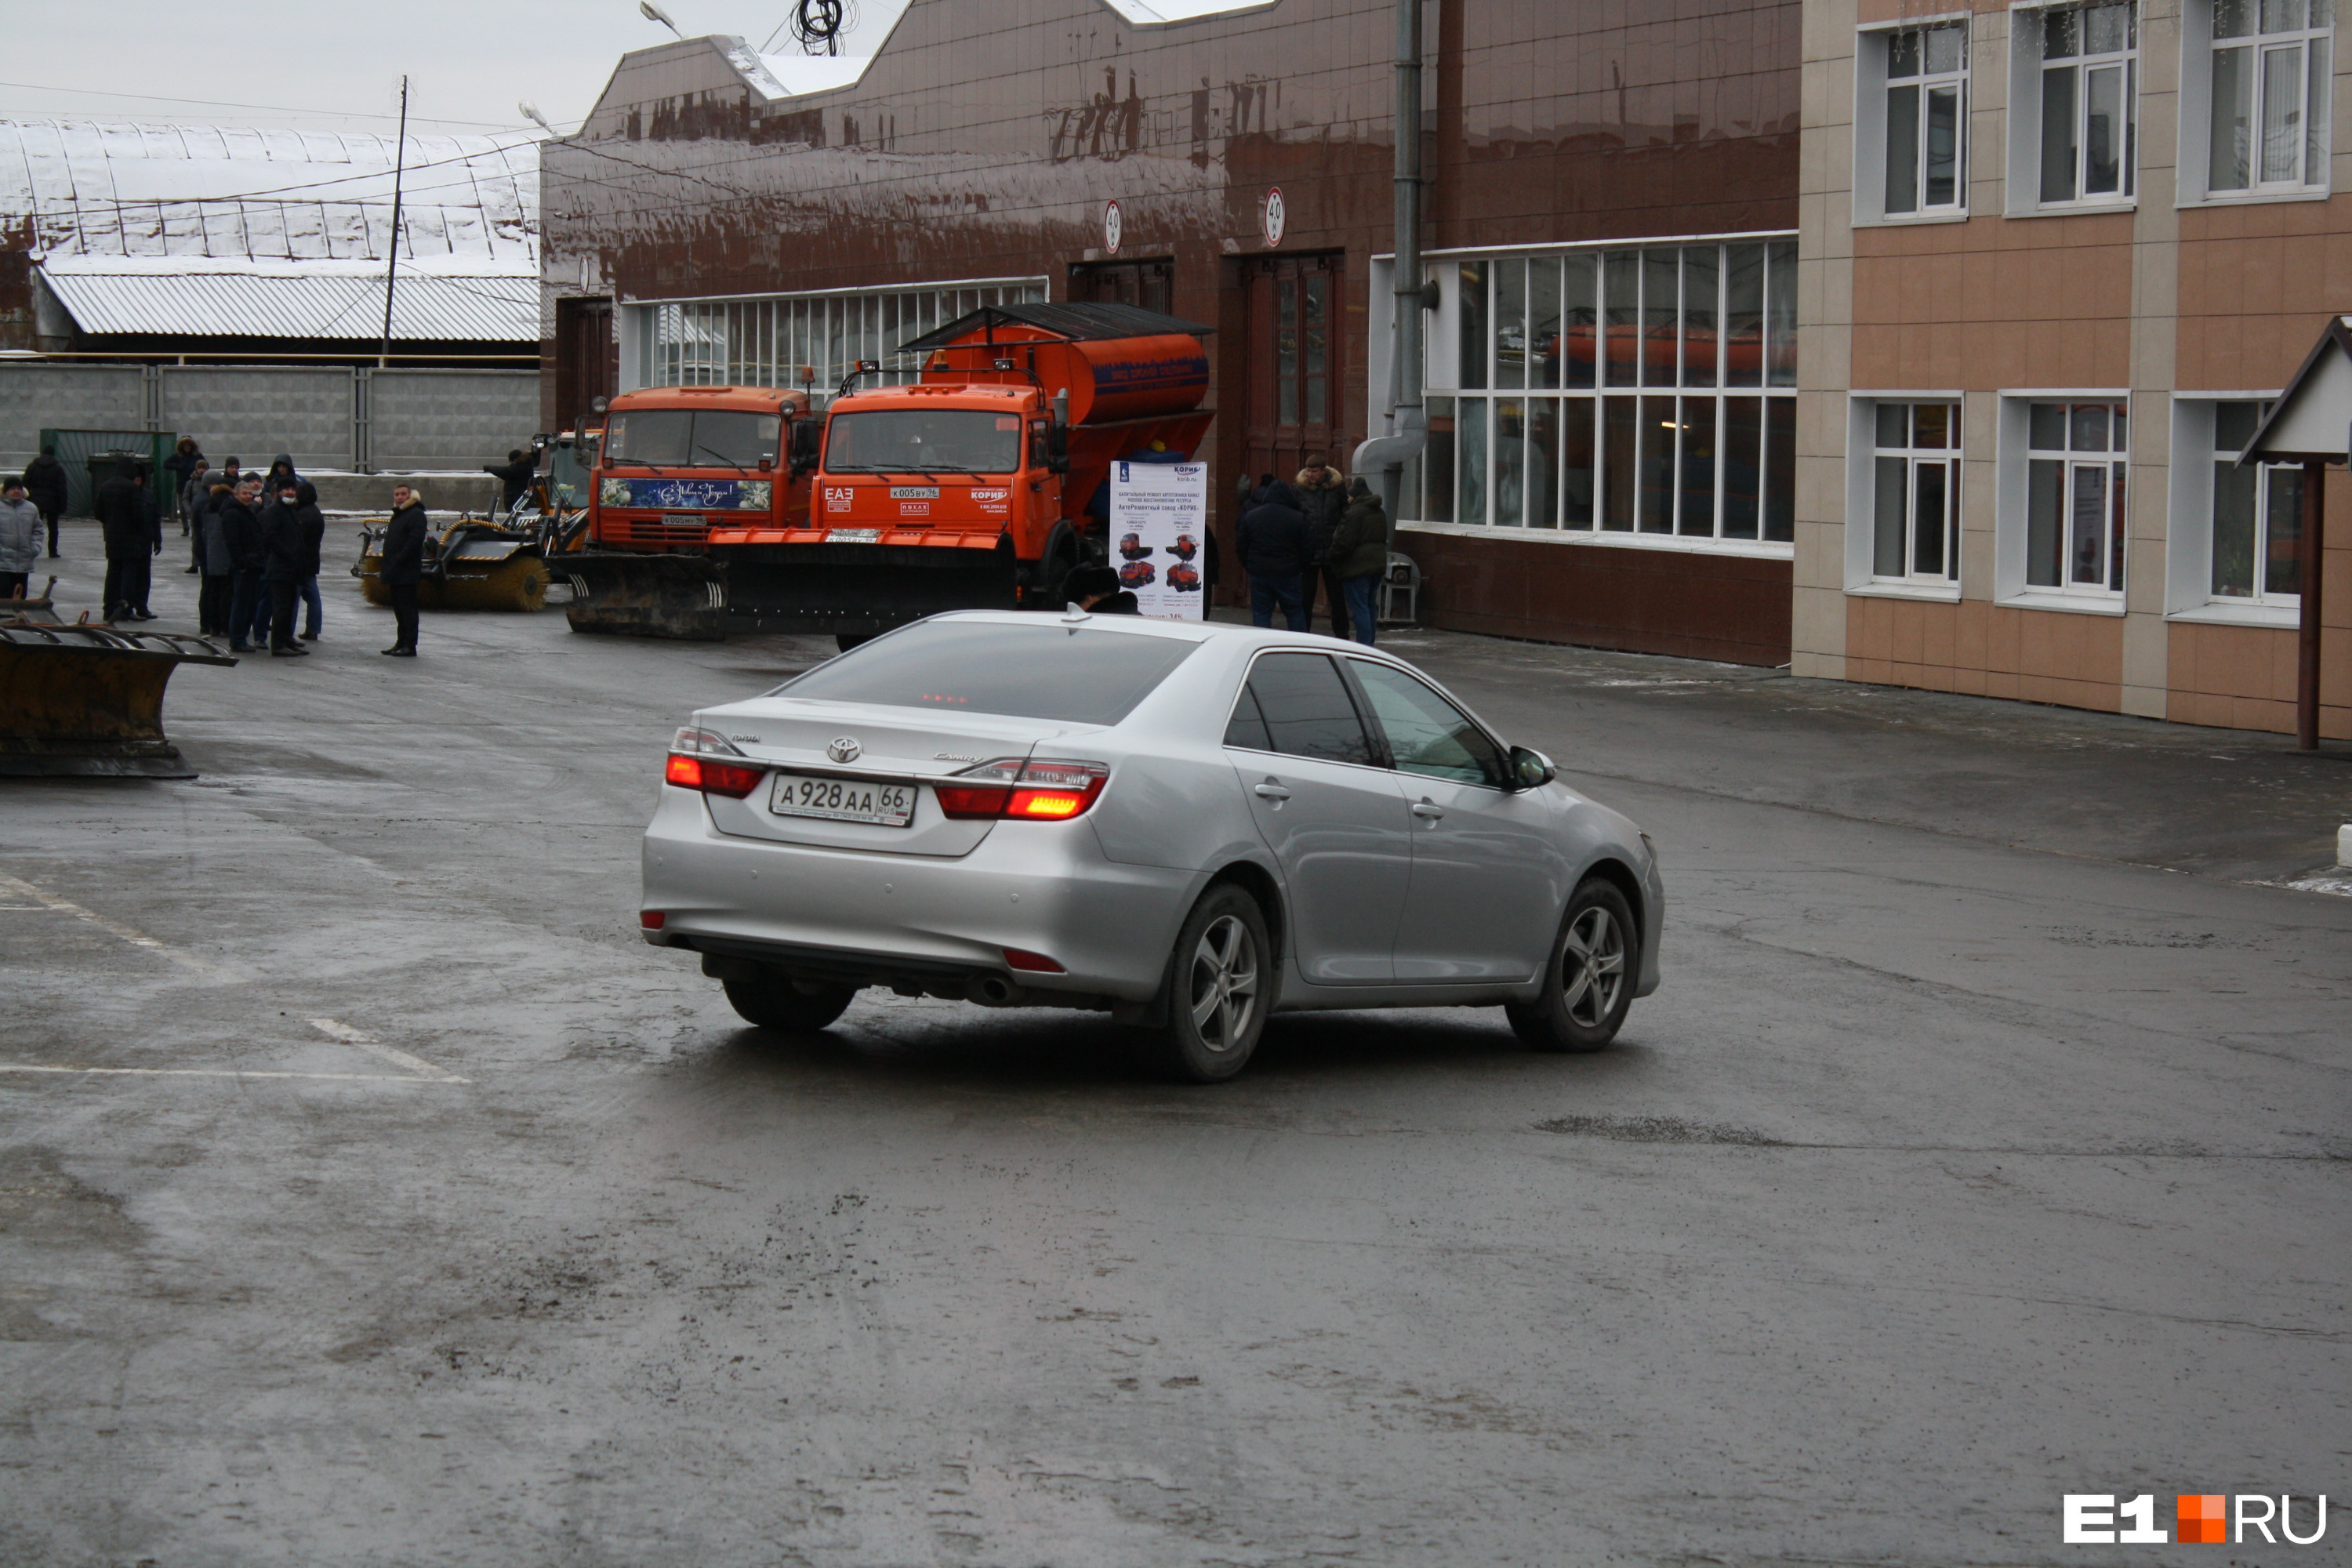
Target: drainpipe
(1408,429)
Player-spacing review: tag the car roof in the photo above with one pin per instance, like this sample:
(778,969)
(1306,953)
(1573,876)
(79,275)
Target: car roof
(1226,632)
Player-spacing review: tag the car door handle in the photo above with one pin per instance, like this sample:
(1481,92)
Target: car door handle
(1428,811)
(1270,791)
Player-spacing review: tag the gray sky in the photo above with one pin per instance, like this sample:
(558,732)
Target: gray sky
(337,67)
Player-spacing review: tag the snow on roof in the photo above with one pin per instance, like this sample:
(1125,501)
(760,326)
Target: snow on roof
(162,297)
(76,187)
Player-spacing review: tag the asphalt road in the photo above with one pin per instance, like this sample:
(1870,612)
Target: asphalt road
(1988,1142)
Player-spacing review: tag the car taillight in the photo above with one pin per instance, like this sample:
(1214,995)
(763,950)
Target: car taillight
(1037,790)
(713,778)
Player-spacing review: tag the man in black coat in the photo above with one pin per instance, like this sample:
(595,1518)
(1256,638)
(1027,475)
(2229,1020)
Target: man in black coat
(403,566)
(241,533)
(44,487)
(1323,497)
(130,540)
(515,475)
(281,566)
(1275,548)
(314,536)
(186,461)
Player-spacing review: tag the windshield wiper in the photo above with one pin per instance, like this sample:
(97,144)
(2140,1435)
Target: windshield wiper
(723,458)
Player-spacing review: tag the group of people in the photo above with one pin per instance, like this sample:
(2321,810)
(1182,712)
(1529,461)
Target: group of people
(254,538)
(1315,533)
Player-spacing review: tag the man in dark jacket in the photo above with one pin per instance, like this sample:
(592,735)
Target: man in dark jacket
(282,558)
(142,582)
(403,566)
(1359,556)
(186,461)
(122,513)
(240,535)
(1322,496)
(196,499)
(217,593)
(314,536)
(515,475)
(1275,550)
(44,487)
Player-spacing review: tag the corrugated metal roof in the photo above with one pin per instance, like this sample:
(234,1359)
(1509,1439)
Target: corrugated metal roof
(72,187)
(439,302)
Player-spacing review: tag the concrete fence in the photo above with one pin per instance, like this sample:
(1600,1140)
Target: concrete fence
(362,420)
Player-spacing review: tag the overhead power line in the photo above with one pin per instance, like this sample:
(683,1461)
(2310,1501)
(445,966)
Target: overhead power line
(264,108)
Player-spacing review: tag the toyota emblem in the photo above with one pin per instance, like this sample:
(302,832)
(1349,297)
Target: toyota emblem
(843,750)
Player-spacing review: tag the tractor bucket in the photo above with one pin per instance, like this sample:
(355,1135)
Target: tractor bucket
(88,700)
(625,595)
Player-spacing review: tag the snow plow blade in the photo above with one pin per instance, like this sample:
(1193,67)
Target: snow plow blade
(88,700)
(623,594)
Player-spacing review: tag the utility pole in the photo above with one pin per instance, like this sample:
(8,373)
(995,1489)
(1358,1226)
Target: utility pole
(391,251)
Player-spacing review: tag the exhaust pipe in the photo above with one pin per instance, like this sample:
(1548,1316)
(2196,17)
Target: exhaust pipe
(993,992)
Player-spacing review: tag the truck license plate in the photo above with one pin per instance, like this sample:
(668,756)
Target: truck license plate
(685,519)
(852,536)
(844,800)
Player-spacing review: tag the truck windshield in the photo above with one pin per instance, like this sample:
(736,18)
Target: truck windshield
(1070,674)
(692,437)
(923,440)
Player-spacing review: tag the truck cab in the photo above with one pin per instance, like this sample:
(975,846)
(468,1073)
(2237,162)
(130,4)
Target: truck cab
(679,461)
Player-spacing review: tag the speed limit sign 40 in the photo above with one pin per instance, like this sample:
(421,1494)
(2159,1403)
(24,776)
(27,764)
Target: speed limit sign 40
(1276,217)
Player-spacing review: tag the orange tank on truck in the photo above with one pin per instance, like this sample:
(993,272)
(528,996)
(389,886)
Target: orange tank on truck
(971,487)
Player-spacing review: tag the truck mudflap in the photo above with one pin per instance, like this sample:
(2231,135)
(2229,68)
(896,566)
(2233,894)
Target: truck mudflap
(618,594)
(857,589)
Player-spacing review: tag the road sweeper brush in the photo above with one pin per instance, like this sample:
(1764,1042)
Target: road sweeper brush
(473,565)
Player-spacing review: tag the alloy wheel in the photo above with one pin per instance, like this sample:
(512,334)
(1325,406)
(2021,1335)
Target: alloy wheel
(1593,967)
(1224,988)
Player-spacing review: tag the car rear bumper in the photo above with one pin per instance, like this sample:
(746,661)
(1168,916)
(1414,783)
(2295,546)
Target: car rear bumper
(918,921)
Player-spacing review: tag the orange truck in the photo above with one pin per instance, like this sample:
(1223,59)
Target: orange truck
(977,487)
(678,465)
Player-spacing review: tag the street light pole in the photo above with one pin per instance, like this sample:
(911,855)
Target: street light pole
(391,251)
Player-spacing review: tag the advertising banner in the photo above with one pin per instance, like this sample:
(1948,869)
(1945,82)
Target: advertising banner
(688,495)
(1158,535)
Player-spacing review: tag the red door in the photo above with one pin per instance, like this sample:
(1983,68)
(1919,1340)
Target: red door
(1295,377)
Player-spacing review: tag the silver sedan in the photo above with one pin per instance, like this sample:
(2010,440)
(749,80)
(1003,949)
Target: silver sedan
(1187,826)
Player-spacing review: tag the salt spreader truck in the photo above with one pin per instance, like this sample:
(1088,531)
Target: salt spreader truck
(977,487)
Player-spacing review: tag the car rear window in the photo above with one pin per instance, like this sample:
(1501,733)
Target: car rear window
(1070,674)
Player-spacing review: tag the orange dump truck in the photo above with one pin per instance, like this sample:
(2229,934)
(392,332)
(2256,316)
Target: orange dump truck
(678,466)
(977,487)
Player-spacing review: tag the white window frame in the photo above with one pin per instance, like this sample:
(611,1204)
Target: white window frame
(2028,67)
(1862,575)
(1873,114)
(2013,510)
(1774,391)
(2199,49)
(2189,586)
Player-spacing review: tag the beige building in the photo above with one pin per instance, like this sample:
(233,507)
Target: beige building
(2055,261)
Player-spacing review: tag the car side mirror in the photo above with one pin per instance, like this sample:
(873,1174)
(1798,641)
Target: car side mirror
(1530,770)
(807,433)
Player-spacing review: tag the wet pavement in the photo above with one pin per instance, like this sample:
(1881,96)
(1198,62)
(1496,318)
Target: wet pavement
(1986,1142)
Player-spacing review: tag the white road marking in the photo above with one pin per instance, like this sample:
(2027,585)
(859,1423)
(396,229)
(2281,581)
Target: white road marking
(374,1047)
(228,1072)
(187,960)
(422,1070)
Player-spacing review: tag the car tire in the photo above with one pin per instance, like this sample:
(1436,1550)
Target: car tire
(773,1002)
(845,641)
(1588,982)
(1220,984)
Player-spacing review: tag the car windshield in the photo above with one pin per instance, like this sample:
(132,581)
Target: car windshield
(923,441)
(693,437)
(1071,674)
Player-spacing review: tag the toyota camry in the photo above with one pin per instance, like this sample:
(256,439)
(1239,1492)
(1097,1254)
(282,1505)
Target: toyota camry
(1190,826)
